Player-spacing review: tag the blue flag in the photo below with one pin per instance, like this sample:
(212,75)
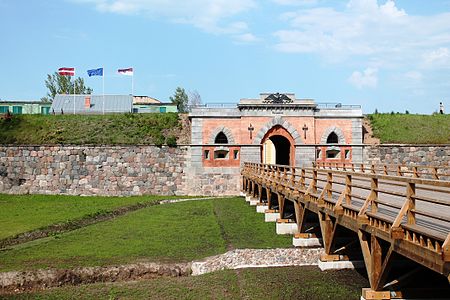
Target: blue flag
(95,72)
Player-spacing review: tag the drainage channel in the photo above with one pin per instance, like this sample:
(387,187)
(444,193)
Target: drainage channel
(22,281)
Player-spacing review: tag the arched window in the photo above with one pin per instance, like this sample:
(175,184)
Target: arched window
(221,138)
(332,138)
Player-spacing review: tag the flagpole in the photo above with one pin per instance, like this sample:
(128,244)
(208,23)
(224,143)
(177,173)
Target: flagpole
(74,95)
(132,84)
(103,77)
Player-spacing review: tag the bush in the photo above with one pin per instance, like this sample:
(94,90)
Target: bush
(171,141)
(158,140)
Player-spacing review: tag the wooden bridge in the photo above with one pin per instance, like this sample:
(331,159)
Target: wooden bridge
(394,218)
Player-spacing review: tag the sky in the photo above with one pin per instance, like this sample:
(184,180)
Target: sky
(385,55)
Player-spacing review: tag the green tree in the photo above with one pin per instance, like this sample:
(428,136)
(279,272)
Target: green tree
(58,84)
(180,98)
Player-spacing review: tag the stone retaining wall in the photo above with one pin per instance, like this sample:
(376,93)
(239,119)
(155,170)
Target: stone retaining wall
(145,170)
(438,155)
(92,170)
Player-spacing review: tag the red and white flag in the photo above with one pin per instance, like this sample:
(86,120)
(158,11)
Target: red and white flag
(66,71)
(128,71)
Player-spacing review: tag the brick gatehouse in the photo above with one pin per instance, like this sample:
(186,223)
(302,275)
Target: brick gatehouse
(275,128)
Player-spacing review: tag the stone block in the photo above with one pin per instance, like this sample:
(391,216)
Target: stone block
(286,228)
(271,216)
(340,264)
(261,208)
(306,242)
(254,201)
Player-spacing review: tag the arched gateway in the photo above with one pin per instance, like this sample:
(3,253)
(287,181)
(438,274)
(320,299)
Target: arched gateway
(278,147)
(274,128)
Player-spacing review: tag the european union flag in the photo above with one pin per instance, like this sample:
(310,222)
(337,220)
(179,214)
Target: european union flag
(95,72)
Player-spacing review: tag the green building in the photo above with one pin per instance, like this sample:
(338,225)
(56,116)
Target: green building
(19,107)
(145,104)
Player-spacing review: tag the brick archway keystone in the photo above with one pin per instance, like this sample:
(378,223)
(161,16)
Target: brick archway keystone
(281,122)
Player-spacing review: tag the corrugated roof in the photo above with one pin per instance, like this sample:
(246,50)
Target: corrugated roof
(144,100)
(22,101)
(112,104)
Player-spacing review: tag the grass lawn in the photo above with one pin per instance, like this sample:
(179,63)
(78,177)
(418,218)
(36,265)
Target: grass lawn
(22,213)
(265,283)
(176,232)
(411,129)
(90,129)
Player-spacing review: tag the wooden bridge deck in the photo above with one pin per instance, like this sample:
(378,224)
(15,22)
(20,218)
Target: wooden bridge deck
(407,209)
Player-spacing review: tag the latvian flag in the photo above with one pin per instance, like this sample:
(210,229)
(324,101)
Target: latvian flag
(128,71)
(66,71)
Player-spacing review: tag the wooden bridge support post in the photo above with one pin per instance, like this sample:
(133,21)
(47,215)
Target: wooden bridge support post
(281,204)
(245,185)
(328,229)
(260,188)
(269,197)
(299,214)
(377,266)
(248,185)
(254,186)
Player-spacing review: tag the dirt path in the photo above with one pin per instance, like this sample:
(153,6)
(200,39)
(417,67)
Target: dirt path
(223,234)
(368,133)
(22,281)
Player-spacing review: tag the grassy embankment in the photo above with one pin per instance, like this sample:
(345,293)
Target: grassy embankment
(411,129)
(177,232)
(22,213)
(265,283)
(111,129)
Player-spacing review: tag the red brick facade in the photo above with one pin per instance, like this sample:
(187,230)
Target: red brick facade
(303,123)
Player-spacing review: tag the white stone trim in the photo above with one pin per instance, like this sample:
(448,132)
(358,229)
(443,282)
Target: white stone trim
(274,122)
(223,129)
(337,130)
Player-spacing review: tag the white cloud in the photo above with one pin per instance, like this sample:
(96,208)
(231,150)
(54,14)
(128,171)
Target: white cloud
(209,15)
(414,76)
(246,38)
(439,56)
(373,30)
(367,78)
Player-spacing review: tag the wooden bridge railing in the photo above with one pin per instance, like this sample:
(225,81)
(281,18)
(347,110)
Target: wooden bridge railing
(411,210)
(415,171)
